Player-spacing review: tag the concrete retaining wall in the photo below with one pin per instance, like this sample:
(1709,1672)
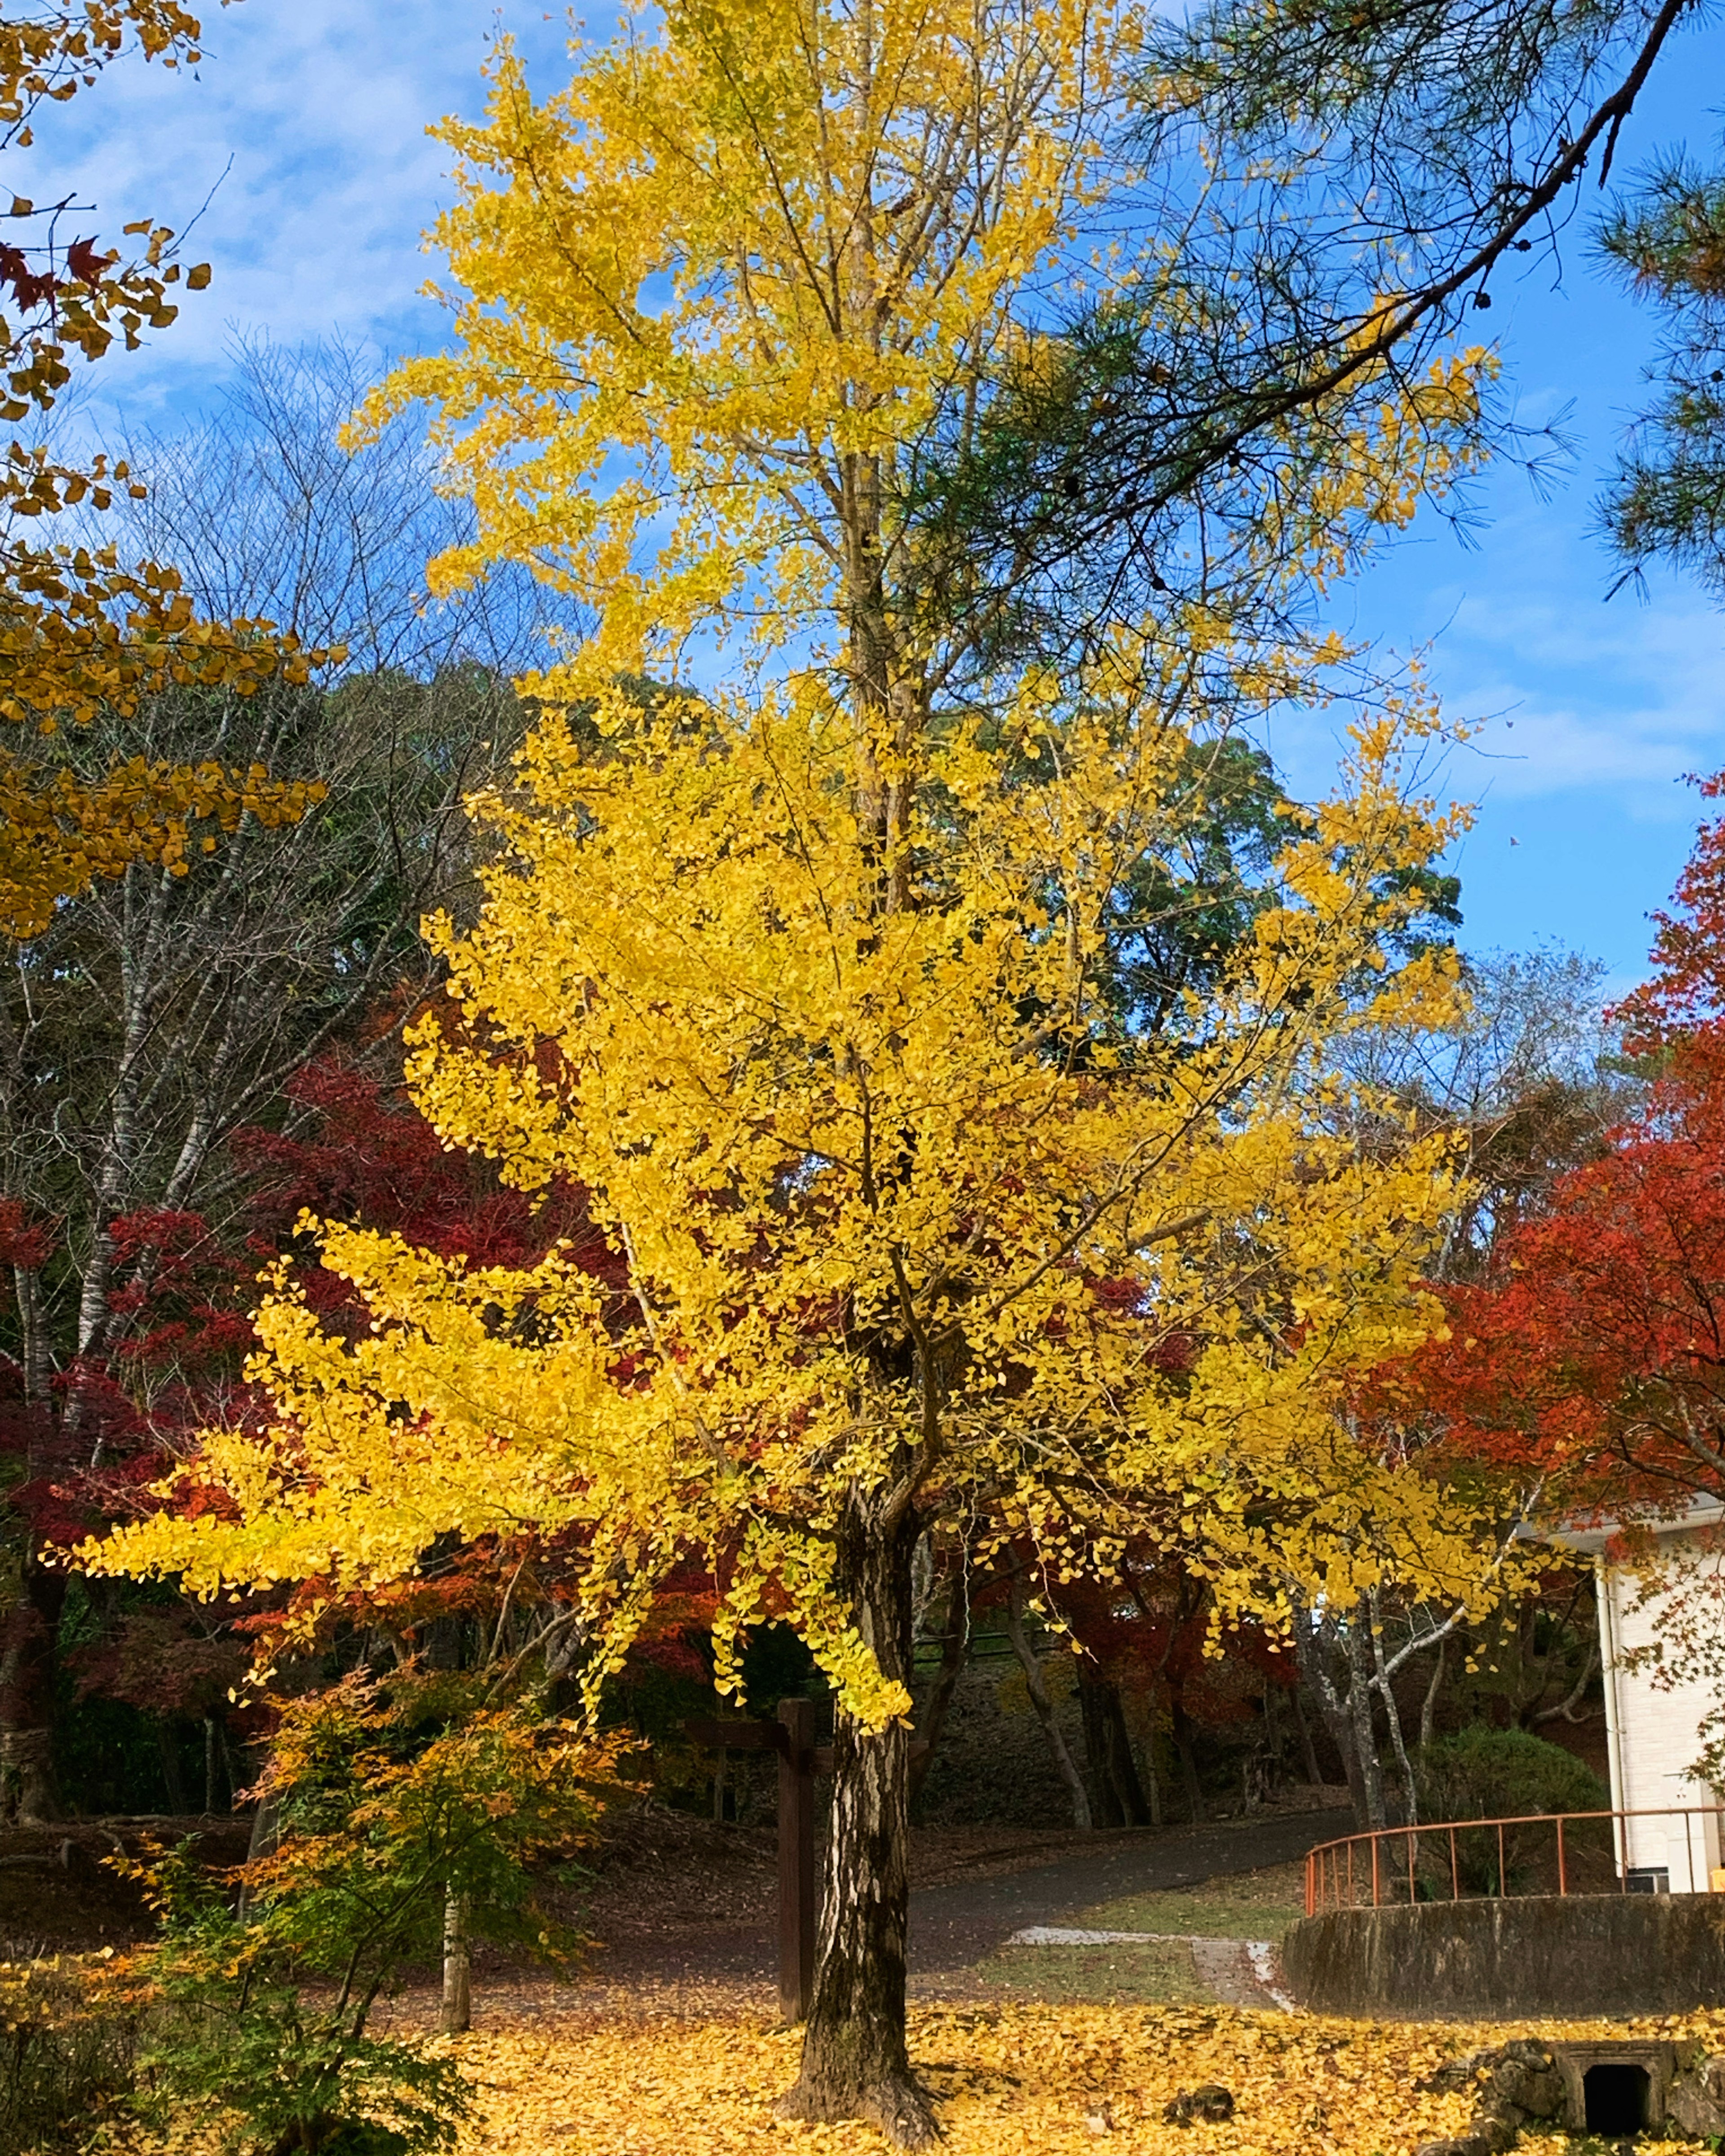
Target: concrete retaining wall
(1580,1955)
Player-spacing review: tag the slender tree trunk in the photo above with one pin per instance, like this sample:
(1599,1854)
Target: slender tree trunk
(1105,1806)
(1043,1707)
(457,1968)
(35,1358)
(1308,1750)
(1117,1794)
(266,1828)
(1393,1717)
(30,1662)
(1180,1725)
(228,1774)
(1313,1647)
(855,2060)
(1359,1711)
(1428,1708)
(29,1638)
(1122,1763)
(265,1834)
(29,1673)
(955,1652)
(1152,1777)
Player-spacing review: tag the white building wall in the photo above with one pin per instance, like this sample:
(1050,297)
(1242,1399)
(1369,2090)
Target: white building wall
(1655,1735)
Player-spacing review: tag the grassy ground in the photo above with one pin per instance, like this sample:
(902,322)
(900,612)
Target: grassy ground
(1160,1975)
(1249,1905)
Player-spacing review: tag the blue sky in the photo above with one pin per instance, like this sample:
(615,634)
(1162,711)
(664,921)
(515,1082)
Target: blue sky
(1593,710)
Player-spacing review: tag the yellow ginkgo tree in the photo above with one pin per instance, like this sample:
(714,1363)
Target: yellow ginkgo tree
(797,948)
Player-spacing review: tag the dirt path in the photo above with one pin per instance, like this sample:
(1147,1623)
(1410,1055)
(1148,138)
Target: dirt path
(958,1926)
(954,1926)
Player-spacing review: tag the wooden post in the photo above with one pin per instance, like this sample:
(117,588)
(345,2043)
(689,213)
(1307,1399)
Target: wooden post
(796,1860)
(458,1965)
(792,1736)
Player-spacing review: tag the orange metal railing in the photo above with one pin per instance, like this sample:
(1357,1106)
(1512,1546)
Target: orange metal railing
(1538,1853)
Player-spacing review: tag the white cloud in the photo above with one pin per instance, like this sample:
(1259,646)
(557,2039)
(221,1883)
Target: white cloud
(322,106)
(1579,695)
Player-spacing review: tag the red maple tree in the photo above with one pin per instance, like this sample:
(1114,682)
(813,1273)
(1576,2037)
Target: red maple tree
(1593,1348)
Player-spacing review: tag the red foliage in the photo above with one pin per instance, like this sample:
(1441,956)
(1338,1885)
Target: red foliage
(23,1244)
(30,287)
(1595,1350)
(110,1420)
(362,1152)
(356,1150)
(1148,1631)
(83,262)
(1687,992)
(167,1658)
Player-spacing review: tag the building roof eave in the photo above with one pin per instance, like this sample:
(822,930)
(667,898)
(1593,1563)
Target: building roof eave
(1590,1536)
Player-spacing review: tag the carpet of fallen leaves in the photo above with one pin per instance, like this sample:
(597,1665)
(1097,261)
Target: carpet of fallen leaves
(1009,2077)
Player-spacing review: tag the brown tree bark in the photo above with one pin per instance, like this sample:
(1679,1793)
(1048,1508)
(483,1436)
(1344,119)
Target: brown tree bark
(29,1664)
(955,1652)
(1116,1793)
(1308,1750)
(29,1647)
(1043,1708)
(854,2063)
(29,1643)
(1180,1729)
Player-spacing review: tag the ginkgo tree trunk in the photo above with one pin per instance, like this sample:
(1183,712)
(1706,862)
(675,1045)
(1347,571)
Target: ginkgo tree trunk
(803,976)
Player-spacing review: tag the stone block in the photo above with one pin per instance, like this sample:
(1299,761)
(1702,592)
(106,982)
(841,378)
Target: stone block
(1695,2102)
(1498,2125)
(1212,2102)
(1531,2083)
(1578,1957)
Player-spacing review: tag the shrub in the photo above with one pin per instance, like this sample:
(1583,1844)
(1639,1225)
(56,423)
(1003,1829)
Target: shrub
(1502,1774)
(238,2047)
(69,2035)
(391,1800)
(1506,1774)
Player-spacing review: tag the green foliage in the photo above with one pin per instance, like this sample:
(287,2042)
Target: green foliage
(1667,498)
(391,1797)
(389,1800)
(68,2038)
(1502,1774)
(1178,917)
(237,2039)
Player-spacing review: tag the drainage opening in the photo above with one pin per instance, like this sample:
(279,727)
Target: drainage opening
(1617,2098)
